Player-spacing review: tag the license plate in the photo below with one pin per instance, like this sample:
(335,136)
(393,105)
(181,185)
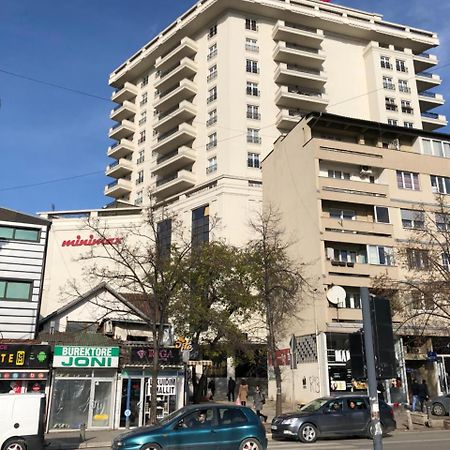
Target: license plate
(274,427)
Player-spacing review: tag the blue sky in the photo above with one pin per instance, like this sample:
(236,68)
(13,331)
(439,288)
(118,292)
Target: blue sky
(48,134)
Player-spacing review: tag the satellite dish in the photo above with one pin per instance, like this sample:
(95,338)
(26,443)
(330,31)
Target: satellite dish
(336,295)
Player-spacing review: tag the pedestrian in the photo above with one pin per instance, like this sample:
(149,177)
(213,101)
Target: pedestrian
(243,393)
(212,388)
(259,400)
(231,389)
(415,387)
(423,394)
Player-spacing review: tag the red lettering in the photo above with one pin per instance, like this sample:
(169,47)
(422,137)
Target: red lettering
(78,242)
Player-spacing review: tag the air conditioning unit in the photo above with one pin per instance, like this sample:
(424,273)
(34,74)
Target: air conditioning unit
(365,171)
(394,144)
(108,327)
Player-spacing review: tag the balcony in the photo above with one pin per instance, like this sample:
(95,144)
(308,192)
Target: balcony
(187,47)
(128,92)
(175,138)
(432,121)
(174,184)
(183,112)
(187,68)
(344,272)
(121,149)
(287,52)
(119,168)
(427,81)
(174,161)
(118,188)
(430,100)
(167,100)
(424,61)
(353,191)
(122,130)
(288,118)
(297,98)
(123,111)
(297,34)
(292,74)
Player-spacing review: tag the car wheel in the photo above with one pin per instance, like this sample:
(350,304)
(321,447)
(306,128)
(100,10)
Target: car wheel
(371,430)
(438,409)
(307,433)
(15,444)
(250,444)
(151,447)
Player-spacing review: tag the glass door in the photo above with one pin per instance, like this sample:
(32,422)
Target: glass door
(131,401)
(101,404)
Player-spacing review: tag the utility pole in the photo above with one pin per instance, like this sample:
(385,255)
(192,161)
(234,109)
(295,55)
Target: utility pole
(375,423)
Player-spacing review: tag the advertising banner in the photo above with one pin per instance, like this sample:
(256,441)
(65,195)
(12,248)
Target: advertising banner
(81,357)
(145,356)
(22,356)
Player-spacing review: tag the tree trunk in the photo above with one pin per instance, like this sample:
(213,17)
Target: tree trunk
(272,347)
(154,384)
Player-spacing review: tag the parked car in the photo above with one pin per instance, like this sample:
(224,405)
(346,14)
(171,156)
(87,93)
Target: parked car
(209,426)
(22,421)
(332,416)
(440,406)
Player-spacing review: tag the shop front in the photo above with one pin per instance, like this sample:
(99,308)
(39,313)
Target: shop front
(83,388)
(24,368)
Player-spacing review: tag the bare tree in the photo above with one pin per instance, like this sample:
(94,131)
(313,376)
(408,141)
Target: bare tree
(277,283)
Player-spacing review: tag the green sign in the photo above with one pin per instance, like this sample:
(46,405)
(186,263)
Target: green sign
(81,357)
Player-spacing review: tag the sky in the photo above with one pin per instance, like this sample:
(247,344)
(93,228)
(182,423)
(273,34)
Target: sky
(53,141)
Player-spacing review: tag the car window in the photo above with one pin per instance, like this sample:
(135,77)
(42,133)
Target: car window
(355,404)
(313,406)
(201,418)
(334,406)
(230,416)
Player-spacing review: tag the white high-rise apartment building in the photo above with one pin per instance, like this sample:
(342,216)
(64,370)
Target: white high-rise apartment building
(200,105)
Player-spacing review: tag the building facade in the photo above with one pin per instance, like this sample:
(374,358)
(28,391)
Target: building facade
(23,246)
(350,194)
(200,105)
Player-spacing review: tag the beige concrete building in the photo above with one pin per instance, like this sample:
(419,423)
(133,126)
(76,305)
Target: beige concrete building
(349,191)
(200,105)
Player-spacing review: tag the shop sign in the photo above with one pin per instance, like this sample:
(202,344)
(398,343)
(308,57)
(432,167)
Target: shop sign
(146,355)
(17,356)
(80,357)
(38,376)
(183,344)
(165,386)
(90,241)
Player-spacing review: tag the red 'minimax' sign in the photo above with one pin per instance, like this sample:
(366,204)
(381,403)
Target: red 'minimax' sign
(78,242)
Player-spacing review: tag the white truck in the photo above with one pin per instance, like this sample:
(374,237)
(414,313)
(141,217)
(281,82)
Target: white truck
(22,419)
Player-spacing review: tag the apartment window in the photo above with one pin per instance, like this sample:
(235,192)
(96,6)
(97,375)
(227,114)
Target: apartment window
(381,214)
(141,157)
(339,174)
(406,107)
(212,95)
(408,180)
(212,117)
(342,214)
(212,141)
(417,258)
(251,24)
(16,290)
(200,225)
(388,84)
(344,255)
(403,86)
(352,299)
(252,89)
(393,122)
(440,185)
(253,160)
(381,255)
(251,66)
(212,73)
(144,99)
(143,117)
(442,221)
(139,197)
(142,137)
(164,237)
(140,177)
(445,261)
(436,148)
(251,45)
(421,302)
(212,52)
(144,81)
(385,62)
(19,234)
(212,31)
(390,104)
(408,124)
(212,165)
(253,112)
(401,66)
(412,219)
(253,136)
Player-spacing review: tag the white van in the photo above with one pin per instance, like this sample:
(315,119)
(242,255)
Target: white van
(22,421)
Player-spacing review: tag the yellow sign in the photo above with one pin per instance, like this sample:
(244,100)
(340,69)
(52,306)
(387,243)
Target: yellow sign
(183,344)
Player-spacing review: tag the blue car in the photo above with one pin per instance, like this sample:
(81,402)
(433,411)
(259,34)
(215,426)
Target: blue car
(207,426)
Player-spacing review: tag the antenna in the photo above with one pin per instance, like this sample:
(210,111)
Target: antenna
(336,295)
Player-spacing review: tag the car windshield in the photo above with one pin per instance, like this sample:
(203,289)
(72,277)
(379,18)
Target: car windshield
(315,405)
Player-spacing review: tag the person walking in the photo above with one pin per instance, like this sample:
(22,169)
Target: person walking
(231,389)
(415,387)
(259,400)
(211,389)
(423,394)
(243,393)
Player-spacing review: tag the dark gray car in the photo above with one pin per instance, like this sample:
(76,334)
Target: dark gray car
(440,406)
(331,416)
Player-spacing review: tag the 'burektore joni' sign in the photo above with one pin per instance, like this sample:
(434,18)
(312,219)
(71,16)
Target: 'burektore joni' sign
(80,357)
(17,356)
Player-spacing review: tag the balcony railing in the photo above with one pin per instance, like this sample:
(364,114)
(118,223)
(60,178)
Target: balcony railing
(391,107)
(407,110)
(253,115)
(211,76)
(424,74)
(211,98)
(300,27)
(166,157)
(211,145)
(430,115)
(112,184)
(211,55)
(301,69)
(254,139)
(252,48)
(389,86)
(211,169)
(300,91)
(165,180)
(211,121)
(405,89)
(428,94)
(301,48)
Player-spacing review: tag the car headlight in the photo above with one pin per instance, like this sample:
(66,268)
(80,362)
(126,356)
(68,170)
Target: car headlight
(289,421)
(119,444)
